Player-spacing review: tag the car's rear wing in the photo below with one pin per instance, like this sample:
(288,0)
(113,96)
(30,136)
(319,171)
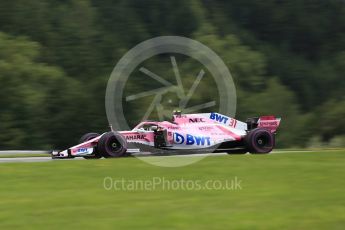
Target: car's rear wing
(268,122)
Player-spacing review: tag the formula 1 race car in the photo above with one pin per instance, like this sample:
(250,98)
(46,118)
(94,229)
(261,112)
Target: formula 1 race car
(208,132)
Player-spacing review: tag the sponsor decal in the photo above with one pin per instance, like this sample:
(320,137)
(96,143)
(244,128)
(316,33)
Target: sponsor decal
(217,134)
(135,137)
(191,139)
(205,128)
(219,118)
(82,150)
(195,120)
(268,123)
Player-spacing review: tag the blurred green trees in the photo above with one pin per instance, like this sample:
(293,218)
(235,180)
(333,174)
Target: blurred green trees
(37,100)
(286,57)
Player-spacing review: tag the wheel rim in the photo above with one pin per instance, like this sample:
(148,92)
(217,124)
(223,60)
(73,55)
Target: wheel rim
(113,145)
(263,141)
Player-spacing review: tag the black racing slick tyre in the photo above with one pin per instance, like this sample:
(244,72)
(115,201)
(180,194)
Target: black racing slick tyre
(112,144)
(259,141)
(88,137)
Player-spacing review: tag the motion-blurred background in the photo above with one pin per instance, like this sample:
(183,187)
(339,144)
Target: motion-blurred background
(286,57)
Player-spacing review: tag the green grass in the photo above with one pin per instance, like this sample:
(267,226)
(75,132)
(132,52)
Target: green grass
(279,191)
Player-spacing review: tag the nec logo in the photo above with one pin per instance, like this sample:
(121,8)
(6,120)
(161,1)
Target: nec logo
(219,118)
(191,139)
(195,120)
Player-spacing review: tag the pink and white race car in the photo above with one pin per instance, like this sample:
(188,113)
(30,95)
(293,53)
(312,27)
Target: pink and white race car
(185,134)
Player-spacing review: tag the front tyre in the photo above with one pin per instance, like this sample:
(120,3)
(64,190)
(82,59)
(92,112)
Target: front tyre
(112,144)
(88,137)
(259,141)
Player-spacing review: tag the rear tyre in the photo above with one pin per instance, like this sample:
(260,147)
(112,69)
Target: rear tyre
(259,141)
(88,137)
(112,144)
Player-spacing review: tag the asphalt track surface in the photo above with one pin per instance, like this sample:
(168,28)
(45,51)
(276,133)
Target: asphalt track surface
(48,158)
(45,159)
